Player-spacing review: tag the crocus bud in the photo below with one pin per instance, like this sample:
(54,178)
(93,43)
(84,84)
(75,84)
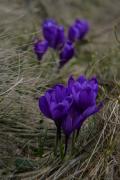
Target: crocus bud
(73,33)
(66,53)
(83,27)
(53,33)
(78,30)
(40,48)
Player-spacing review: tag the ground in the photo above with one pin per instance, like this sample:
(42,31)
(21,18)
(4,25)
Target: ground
(26,136)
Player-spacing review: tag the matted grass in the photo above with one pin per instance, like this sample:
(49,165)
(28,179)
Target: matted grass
(23,129)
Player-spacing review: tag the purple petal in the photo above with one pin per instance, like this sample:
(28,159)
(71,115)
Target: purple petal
(40,48)
(67,125)
(73,33)
(83,27)
(44,106)
(60,92)
(71,81)
(67,53)
(86,98)
(54,34)
(60,39)
(92,110)
(88,112)
(81,79)
(94,84)
(58,111)
(50,95)
(49,22)
(50,32)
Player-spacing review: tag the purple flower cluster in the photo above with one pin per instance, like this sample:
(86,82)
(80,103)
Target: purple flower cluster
(69,106)
(54,37)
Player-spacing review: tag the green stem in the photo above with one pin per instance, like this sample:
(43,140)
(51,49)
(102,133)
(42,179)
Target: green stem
(66,144)
(77,134)
(58,139)
(61,150)
(73,143)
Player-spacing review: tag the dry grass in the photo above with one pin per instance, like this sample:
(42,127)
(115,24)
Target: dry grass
(23,79)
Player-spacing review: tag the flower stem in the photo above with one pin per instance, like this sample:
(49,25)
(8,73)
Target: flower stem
(77,134)
(73,143)
(66,144)
(58,139)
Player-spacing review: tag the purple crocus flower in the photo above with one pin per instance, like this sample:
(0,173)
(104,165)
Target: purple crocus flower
(83,27)
(66,53)
(84,94)
(70,106)
(40,48)
(78,30)
(53,33)
(73,33)
(56,103)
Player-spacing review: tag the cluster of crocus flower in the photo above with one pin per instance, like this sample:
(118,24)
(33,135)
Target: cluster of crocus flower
(69,106)
(54,37)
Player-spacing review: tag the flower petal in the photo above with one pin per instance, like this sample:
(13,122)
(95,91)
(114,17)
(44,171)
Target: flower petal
(60,92)
(94,84)
(92,110)
(40,48)
(88,112)
(81,79)
(60,39)
(86,99)
(73,33)
(71,81)
(58,111)
(44,106)
(50,32)
(67,125)
(66,53)
(83,27)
